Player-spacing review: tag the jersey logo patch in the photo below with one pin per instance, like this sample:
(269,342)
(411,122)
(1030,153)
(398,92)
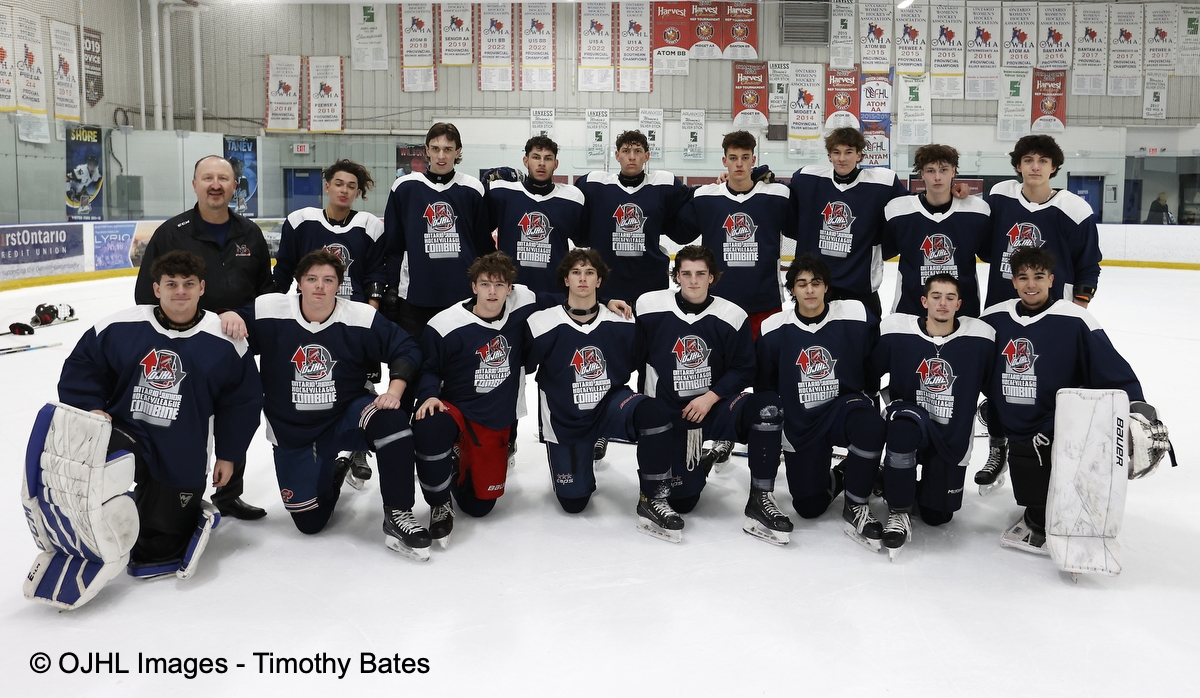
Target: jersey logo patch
(838,216)
(313,362)
(286,494)
(739,227)
(692,374)
(242,251)
(313,387)
(535,226)
(816,363)
(630,218)
(690,351)
(495,352)
(835,238)
(162,369)
(337,249)
(156,397)
(1019,235)
(533,247)
(591,378)
(628,239)
(589,363)
(1018,383)
(1019,355)
(440,216)
(184,499)
(818,382)
(493,367)
(938,249)
(740,248)
(936,394)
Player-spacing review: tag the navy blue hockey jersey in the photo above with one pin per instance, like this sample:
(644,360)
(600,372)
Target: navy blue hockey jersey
(743,232)
(536,230)
(357,244)
(434,232)
(812,365)
(1065,224)
(1061,347)
(843,223)
(311,371)
(936,243)
(162,386)
(625,226)
(942,375)
(688,354)
(577,367)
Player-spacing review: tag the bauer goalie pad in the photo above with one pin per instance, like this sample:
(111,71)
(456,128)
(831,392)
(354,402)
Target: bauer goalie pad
(1090,468)
(75,505)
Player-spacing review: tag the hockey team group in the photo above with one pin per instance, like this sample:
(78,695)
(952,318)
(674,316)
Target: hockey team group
(575,285)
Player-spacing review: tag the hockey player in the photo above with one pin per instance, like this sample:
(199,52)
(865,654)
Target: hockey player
(167,378)
(583,355)
(939,364)
(815,355)
(698,358)
(80,181)
(936,233)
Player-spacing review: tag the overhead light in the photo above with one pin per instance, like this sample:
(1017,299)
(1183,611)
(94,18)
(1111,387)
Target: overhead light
(903,4)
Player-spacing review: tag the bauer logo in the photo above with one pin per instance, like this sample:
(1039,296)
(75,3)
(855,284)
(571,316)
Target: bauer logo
(162,369)
(313,362)
(938,249)
(185,498)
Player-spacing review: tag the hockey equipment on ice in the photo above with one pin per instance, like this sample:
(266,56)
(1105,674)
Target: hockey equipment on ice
(405,535)
(26,347)
(600,450)
(657,518)
(358,470)
(441,523)
(1022,536)
(861,525)
(764,520)
(49,314)
(1149,440)
(206,521)
(717,456)
(18,328)
(991,476)
(896,532)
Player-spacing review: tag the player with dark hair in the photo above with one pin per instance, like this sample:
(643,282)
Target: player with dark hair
(815,355)
(939,364)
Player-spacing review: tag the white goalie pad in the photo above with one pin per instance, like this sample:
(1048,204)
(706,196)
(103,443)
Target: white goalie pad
(75,505)
(1086,501)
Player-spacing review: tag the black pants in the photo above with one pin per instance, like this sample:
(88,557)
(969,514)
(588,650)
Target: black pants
(412,319)
(1029,465)
(167,516)
(233,489)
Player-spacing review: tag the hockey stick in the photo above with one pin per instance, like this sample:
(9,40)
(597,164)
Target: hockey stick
(57,321)
(17,350)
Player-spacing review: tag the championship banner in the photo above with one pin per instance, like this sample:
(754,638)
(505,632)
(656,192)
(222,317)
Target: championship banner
(749,95)
(368,37)
(633,47)
(496,47)
(878,134)
(914,110)
(779,76)
(1154,96)
(946,56)
(983,50)
(1161,37)
(1090,73)
(841,34)
(1049,101)
(1016,99)
(1020,28)
(672,38)
(8,62)
(1125,50)
(595,47)
(31,73)
(537,47)
(417,73)
(85,176)
(650,123)
(325,100)
(1189,40)
(242,153)
(805,110)
(283,93)
(66,71)
(841,98)
(875,37)
(707,32)
(93,66)
(596,125)
(457,44)
(541,122)
(1054,30)
(691,122)
(740,26)
(912,37)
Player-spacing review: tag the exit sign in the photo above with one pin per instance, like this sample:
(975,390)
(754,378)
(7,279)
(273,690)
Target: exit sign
(300,149)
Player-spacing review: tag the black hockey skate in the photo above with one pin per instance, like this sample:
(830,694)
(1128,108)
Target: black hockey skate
(717,457)
(764,520)
(358,469)
(657,518)
(861,525)
(991,476)
(405,535)
(600,450)
(896,532)
(441,523)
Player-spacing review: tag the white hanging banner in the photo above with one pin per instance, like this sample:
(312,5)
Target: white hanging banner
(541,123)
(633,47)
(779,75)
(1125,24)
(283,93)
(537,47)
(1161,37)
(692,123)
(64,52)
(947,22)
(1016,101)
(1020,30)
(496,47)
(596,125)
(841,34)
(805,109)
(1090,75)
(326,102)
(650,123)
(457,37)
(368,37)
(1154,96)
(914,110)
(912,37)
(417,73)
(1054,32)
(595,47)
(983,50)
(31,66)
(875,36)
(1189,40)
(8,62)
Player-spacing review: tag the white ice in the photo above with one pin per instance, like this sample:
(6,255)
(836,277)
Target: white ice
(531,601)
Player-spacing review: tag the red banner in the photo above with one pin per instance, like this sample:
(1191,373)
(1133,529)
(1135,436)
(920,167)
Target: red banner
(671,38)
(1049,113)
(749,94)
(740,29)
(708,35)
(841,98)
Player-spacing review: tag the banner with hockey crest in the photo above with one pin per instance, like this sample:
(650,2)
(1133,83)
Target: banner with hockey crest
(749,94)
(1090,73)
(457,41)
(496,47)
(596,72)
(946,55)
(1054,35)
(912,37)
(326,103)
(672,38)
(983,50)
(537,47)
(1125,26)
(633,47)
(65,54)
(805,109)
(417,72)
(1161,37)
(740,27)
(875,37)
(707,33)
(283,93)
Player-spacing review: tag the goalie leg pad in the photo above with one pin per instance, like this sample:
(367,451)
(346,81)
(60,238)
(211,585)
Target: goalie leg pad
(206,522)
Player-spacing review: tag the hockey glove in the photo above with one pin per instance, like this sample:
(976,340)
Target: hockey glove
(1150,441)
(762,173)
(507,174)
(20,328)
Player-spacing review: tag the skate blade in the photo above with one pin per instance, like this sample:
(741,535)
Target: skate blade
(1023,547)
(721,466)
(512,462)
(872,545)
(893,553)
(443,542)
(985,490)
(354,482)
(755,528)
(417,554)
(645,526)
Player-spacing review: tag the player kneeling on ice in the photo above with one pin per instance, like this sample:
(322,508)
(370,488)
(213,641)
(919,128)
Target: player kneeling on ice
(316,351)
(699,357)
(139,393)
(1043,346)
(815,355)
(583,355)
(938,365)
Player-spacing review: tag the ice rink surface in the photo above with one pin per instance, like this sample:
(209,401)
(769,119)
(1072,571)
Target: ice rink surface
(531,601)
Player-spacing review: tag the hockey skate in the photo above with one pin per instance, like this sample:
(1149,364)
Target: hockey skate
(441,523)
(764,520)
(358,471)
(600,450)
(405,535)
(717,457)
(991,476)
(861,525)
(896,532)
(1021,536)
(657,518)
(512,454)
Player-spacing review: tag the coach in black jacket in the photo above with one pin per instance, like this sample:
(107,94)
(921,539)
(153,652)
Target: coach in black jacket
(237,270)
